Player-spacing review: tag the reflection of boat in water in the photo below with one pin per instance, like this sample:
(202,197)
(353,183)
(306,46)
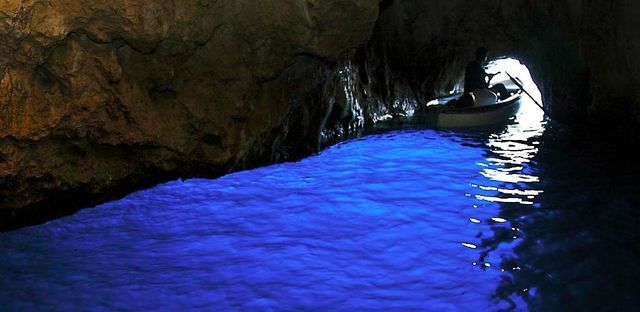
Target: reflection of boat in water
(450,114)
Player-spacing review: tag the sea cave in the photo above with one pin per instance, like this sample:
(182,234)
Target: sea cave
(324,155)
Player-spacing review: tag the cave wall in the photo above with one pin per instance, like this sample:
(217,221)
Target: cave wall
(99,98)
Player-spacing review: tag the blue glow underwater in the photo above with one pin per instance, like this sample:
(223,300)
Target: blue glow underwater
(389,221)
(400,221)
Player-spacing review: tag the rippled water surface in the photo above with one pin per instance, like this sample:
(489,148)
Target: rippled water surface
(400,221)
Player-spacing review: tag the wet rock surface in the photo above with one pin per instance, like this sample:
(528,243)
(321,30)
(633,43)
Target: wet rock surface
(98,99)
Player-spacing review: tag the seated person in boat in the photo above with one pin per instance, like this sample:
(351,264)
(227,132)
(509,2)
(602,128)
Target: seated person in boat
(477,81)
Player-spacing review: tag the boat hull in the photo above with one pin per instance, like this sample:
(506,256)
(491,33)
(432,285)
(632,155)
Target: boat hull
(475,117)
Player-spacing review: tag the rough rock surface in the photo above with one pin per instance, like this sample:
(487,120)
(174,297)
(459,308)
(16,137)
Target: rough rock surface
(98,98)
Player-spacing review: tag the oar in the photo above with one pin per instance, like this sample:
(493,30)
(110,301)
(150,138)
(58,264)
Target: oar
(527,93)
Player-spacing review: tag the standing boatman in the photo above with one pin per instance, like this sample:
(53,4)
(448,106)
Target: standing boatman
(477,80)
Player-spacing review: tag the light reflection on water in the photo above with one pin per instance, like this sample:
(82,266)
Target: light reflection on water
(402,221)
(389,221)
(381,222)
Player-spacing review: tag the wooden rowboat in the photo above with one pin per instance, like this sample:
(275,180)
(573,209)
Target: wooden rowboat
(491,114)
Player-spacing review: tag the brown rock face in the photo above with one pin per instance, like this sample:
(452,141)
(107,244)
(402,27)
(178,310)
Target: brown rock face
(99,98)
(102,97)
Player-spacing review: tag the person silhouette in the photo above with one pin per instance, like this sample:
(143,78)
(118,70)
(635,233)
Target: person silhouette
(477,81)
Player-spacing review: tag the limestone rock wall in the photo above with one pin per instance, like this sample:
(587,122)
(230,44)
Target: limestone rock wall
(98,98)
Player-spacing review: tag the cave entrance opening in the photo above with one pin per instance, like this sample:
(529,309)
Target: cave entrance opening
(510,66)
(529,112)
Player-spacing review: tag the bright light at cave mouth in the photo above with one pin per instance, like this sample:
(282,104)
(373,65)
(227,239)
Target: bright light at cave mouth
(529,111)
(515,69)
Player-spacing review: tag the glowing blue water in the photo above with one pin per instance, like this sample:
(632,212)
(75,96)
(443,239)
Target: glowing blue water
(381,222)
(402,221)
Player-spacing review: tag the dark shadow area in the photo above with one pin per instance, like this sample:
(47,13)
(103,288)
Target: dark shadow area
(577,245)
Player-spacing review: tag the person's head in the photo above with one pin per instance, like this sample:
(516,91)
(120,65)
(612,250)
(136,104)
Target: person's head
(481,54)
